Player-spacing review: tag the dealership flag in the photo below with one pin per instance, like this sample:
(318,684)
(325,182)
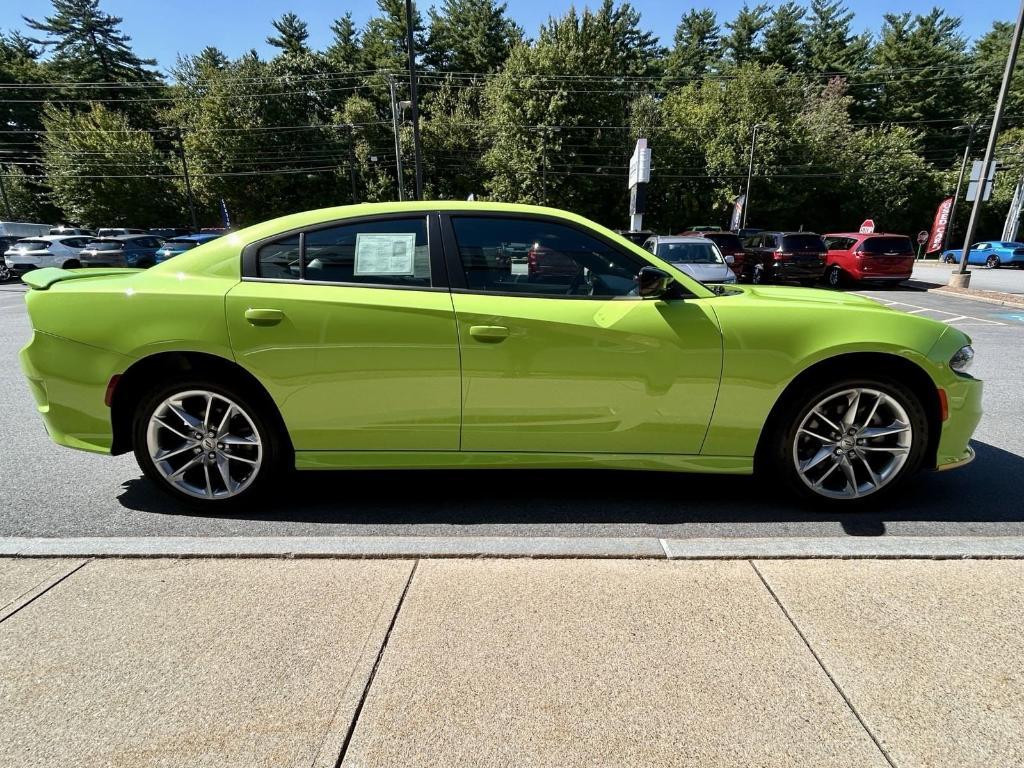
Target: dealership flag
(737,213)
(939,226)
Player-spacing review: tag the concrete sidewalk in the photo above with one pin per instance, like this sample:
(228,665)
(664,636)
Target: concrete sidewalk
(403,662)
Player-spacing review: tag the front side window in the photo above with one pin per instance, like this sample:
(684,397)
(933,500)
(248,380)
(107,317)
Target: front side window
(534,256)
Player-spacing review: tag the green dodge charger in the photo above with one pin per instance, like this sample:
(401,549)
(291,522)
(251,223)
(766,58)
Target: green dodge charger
(454,334)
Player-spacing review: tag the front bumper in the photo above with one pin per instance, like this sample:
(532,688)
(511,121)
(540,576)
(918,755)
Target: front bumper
(964,398)
(69,381)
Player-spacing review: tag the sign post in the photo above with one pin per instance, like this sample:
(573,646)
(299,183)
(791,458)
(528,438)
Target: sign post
(639,175)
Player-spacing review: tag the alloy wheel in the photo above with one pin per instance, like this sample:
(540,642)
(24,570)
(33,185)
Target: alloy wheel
(204,444)
(852,443)
(992,262)
(835,277)
(5,271)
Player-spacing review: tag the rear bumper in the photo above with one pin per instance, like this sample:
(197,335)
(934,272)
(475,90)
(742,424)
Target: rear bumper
(68,381)
(785,270)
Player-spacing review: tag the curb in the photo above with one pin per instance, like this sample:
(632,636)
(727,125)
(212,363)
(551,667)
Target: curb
(969,293)
(367,547)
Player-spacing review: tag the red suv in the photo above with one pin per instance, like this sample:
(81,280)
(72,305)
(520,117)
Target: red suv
(728,243)
(878,256)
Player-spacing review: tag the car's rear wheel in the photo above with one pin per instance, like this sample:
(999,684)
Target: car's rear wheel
(992,262)
(851,440)
(834,276)
(205,443)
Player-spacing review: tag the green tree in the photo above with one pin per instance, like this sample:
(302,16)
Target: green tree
(103,172)
(829,44)
(743,42)
(24,196)
(470,36)
(292,34)
(343,52)
(784,36)
(87,45)
(384,38)
(988,62)
(695,50)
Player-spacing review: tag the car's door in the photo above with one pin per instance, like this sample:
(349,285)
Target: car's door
(980,253)
(574,363)
(350,327)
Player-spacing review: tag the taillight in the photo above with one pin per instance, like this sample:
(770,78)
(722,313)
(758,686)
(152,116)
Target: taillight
(780,255)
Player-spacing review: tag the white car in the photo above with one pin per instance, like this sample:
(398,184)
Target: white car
(46,251)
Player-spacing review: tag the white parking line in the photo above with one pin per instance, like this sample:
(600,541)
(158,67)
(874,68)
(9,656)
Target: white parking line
(917,309)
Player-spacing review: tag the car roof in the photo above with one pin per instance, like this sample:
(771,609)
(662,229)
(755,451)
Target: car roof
(681,239)
(134,236)
(865,235)
(785,232)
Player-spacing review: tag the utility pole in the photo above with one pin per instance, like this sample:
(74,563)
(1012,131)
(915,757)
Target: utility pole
(414,97)
(398,142)
(971,128)
(352,161)
(750,173)
(962,278)
(3,194)
(179,149)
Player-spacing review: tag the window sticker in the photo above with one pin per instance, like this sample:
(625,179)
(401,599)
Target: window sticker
(385,254)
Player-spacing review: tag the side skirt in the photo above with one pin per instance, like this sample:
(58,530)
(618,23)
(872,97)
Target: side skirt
(728,465)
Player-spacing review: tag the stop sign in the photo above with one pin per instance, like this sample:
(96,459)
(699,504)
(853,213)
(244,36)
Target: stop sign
(867,227)
(922,236)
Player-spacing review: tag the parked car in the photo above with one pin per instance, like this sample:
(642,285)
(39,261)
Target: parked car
(116,231)
(638,236)
(6,241)
(174,246)
(22,229)
(771,257)
(166,233)
(990,253)
(224,367)
(696,256)
(703,228)
(46,251)
(63,230)
(120,251)
(876,257)
(728,243)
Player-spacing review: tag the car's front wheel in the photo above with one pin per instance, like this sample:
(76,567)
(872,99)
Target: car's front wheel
(5,271)
(850,440)
(205,443)
(948,259)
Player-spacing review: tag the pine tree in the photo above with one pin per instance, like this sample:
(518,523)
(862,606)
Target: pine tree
(829,44)
(470,36)
(292,34)
(695,51)
(343,52)
(87,45)
(784,37)
(384,38)
(743,44)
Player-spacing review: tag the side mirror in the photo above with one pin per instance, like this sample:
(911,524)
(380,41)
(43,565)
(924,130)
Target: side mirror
(730,259)
(652,283)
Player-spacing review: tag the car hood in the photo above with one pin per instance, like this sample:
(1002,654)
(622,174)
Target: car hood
(783,294)
(706,273)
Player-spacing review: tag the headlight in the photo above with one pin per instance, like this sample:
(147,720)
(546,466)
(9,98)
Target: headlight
(961,361)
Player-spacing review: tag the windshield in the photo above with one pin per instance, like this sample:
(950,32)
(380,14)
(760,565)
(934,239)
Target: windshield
(690,253)
(880,245)
(179,245)
(105,245)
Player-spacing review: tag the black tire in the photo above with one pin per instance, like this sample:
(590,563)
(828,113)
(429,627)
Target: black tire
(5,271)
(71,264)
(758,276)
(947,259)
(273,443)
(777,459)
(834,278)
(992,262)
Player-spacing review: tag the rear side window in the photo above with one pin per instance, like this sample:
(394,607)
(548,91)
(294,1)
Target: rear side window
(539,257)
(888,245)
(388,252)
(280,259)
(839,243)
(803,243)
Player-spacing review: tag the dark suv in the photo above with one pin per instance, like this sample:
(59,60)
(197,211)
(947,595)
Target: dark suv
(782,256)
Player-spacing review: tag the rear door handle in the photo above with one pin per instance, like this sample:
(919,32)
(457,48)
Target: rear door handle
(264,316)
(491,334)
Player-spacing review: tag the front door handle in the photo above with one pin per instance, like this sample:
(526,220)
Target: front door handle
(264,316)
(491,334)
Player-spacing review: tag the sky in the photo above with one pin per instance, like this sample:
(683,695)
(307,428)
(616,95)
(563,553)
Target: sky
(161,29)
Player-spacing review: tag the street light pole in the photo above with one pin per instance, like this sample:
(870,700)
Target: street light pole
(398,143)
(962,278)
(417,150)
(971,128)
(750,173)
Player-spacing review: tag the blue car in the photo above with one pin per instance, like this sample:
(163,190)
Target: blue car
(989,253)
(182,243)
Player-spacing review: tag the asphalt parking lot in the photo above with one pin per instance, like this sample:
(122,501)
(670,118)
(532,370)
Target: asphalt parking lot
(48,491)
